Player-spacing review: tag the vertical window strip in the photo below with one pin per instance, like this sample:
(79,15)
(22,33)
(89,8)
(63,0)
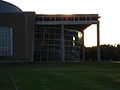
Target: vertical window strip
(5,41)
(0,42)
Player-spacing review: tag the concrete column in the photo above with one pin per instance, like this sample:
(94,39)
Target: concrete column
(62,44)
(83,47)
(98,43)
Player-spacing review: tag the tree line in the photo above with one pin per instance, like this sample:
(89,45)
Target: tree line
(108,53)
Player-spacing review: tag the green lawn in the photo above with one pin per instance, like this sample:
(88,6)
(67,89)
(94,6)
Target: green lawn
(60,76)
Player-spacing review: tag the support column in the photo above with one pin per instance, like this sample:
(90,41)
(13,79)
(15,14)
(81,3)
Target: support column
(83,47)
(62,44)
(98,42)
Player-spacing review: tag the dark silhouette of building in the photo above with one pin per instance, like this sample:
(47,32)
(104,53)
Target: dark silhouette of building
(26,36)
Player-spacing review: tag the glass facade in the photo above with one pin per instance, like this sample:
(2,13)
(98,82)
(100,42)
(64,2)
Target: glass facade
(5,41)
(72,45)
(47,44)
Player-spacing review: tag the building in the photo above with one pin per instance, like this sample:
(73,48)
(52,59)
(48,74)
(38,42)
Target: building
(27,36)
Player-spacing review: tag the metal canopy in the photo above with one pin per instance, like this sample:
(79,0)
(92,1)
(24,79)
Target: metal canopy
(76,21)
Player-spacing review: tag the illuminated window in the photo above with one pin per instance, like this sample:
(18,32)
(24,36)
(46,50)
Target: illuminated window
(5,41)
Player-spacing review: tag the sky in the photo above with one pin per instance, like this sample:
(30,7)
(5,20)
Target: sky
(108,10)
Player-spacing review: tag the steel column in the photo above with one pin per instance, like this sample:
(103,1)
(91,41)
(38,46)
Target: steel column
(98,42)
(83,47)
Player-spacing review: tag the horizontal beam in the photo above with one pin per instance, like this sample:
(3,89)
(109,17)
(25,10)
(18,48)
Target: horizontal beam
(64,22)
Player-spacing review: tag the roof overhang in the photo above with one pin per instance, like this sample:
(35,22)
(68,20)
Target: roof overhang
(76,21)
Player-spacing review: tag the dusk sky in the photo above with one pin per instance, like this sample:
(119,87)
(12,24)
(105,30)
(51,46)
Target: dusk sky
(107,9)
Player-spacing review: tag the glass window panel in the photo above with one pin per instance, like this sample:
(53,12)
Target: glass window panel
(5,41)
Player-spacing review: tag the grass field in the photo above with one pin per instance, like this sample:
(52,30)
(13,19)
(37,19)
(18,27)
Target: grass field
(60,76)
